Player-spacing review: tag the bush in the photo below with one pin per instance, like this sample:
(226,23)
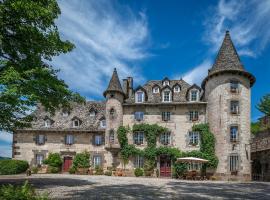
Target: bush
(53,170)
(54,160)
(13,166)
(24,192)
(72,170)
(149,166)
(81,160)
(108,173)
(138,172)
(98,170)
(34,170)
(179,169)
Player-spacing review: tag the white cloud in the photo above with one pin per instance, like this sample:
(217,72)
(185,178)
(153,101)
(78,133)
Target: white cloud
(5,151)
(104,39)
(5,137)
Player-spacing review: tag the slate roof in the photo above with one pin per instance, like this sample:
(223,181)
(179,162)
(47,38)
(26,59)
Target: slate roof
(114,84)
(78,111)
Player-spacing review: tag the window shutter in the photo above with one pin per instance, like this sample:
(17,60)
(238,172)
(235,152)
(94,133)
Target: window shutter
(103,139)
(93,139)
(35,139)
(45,138)
(65,139)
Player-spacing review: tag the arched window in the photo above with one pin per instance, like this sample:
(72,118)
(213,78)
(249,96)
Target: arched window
(139,97)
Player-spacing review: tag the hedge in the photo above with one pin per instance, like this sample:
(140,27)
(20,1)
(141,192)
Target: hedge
(13,166)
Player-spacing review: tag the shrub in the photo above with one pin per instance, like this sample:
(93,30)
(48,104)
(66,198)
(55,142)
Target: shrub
(98,170)
(72,170)
(53,170)
(34,170)
(179,169)
(108,173)
(13,166)
(24,192)
(149,166)
(53,160)
(81,160)
(138,172)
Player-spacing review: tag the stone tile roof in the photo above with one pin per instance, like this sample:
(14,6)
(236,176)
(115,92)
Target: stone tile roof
(151,97)
(78,111)
(114,85)
(227,58)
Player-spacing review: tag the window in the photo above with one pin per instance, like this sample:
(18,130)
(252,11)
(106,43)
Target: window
(47,123)
(193,115)
(39,159)
(194,138)
(111,137)
(92,113)
(97,160)
(233,133)
(234,162)
(166,116)
(138,162)
(138,116)
(166,96)
(112,113)
(69,139)
(76,123)
(155,90)
(234,107)
(194,166)
(234,86)
(166,83)
(194,95)
(139,97)
(165,138)
(40,139)
(176,88)
(98,140)
(103,123)
(65,113)
(138,138)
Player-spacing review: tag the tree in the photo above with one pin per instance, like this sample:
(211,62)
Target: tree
(264,105)
(29,39)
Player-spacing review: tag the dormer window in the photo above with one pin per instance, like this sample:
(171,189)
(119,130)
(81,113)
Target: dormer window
(47,123)
(176,88)
(166,96)
(103,123)
(92,113)
(194,95)
(156,90)
(166,82)
(76,123)
(139,97)
(65,113)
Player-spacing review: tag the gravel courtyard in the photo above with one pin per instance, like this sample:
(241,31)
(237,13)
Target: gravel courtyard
(64,186)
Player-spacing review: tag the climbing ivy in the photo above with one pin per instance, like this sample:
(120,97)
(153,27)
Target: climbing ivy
(152,132)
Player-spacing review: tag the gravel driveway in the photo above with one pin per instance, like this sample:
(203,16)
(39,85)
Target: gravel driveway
(65,186)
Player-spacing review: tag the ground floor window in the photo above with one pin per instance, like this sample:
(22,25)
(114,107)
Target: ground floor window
(97,160)
(234,163)
(138,162)
(39,159)
(194,166)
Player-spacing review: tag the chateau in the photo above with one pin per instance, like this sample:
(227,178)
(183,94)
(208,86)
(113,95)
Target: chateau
(222,101)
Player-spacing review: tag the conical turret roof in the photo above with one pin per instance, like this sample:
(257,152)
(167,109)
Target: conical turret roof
(114,85)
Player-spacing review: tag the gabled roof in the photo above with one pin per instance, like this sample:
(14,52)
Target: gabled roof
(114,85)
(227,58)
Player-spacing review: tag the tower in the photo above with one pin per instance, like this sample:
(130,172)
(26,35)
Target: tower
(114,116)
(227,92)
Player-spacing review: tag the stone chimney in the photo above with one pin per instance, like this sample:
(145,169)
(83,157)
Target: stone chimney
(125,87)
(130,86)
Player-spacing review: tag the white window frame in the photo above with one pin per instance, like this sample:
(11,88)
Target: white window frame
(69,139)
(65,113)
(47,123)
(194,138)
(191,95)
(156,90)
(103,123)
(176,89)
(141,99)
(234,132)
(165,138)
(97,161)
(138,115)
(138,161)
(39,159)
(163,96)
(138,137)
(166,82)
(74,123)
(193,115)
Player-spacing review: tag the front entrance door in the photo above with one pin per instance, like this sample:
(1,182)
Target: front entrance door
(165,166)
(67,164)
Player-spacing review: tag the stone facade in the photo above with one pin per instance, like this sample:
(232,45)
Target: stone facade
(174,104)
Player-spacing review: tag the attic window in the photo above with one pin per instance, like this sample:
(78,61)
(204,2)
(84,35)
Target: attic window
(166,97)
(65,113)
(176,88)
(139,97)
(166,83)
(76,123)
(194,95)
(47,123)
(103,123)
(155,90)
(92,113)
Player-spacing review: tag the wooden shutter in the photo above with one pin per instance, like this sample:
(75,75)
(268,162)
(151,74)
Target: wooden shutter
(103,139)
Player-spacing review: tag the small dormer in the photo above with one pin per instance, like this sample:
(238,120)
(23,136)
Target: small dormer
(176,88)
(156,89)
(140,95)
(65,113)
(166,81)
(92,113)
(102,122)
(193,93)
(76,122)
(48,122)
(166,94)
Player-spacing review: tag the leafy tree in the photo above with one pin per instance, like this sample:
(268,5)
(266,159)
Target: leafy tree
(255,127)
(82,160)
(29,39)
(264,105)
(53,160)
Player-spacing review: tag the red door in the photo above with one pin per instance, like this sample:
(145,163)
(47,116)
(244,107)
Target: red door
(165,166)
(67,164)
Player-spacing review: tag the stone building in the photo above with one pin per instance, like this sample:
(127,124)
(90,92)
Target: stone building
(223,101)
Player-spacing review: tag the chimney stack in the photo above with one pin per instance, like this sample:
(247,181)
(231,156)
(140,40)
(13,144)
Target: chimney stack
(130,86)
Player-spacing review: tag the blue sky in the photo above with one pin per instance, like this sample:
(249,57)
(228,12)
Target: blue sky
(153,39)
